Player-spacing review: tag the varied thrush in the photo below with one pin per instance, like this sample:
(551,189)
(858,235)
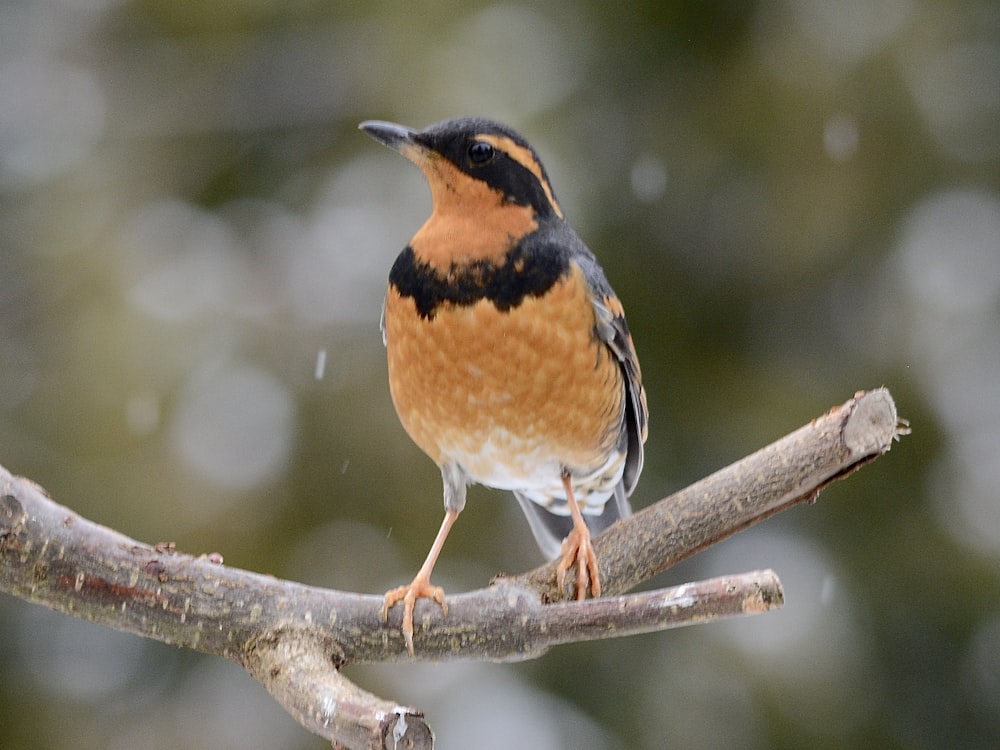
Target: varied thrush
(510,361)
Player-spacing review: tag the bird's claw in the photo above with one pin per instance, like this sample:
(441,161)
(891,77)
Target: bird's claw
(576,548)
(409,594)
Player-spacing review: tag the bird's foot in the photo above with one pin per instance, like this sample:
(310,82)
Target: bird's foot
(577,549)
(417,588)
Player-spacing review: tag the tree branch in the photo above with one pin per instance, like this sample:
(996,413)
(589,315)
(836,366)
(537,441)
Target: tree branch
(785,473)
(294,638)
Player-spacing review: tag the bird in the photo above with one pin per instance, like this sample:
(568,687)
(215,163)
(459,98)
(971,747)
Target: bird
(510,361)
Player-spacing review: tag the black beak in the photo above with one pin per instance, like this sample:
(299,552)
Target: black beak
(396,137)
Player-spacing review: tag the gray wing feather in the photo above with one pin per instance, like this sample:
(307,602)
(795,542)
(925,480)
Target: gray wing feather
(613,331)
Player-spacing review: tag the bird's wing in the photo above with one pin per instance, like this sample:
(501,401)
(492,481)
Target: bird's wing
(612,328)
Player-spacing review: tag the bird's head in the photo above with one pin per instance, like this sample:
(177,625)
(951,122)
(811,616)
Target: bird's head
(471,160)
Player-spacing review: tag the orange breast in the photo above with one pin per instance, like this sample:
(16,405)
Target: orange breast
(506,394)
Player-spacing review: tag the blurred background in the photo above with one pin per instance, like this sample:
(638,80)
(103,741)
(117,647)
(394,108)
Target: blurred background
(795,199)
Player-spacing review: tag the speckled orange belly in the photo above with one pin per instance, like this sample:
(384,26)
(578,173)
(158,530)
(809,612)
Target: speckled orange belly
(511,396)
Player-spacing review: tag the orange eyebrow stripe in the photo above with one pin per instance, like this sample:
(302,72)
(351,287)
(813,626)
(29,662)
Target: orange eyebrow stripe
(526,159)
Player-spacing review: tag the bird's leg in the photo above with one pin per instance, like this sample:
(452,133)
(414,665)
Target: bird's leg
(576,548)
(420,586)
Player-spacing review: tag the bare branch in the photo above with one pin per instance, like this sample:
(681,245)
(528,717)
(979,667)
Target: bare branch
(785,473)
(295,667)
(294,638)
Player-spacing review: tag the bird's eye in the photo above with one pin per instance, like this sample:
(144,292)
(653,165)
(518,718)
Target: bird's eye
(480,152)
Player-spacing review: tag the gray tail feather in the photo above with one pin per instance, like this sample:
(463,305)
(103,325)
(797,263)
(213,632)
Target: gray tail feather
(550,529)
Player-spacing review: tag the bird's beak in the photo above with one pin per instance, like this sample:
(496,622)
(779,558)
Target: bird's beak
(397,137)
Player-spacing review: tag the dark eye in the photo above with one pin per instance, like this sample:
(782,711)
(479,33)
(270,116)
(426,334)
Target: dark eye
(480,152)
